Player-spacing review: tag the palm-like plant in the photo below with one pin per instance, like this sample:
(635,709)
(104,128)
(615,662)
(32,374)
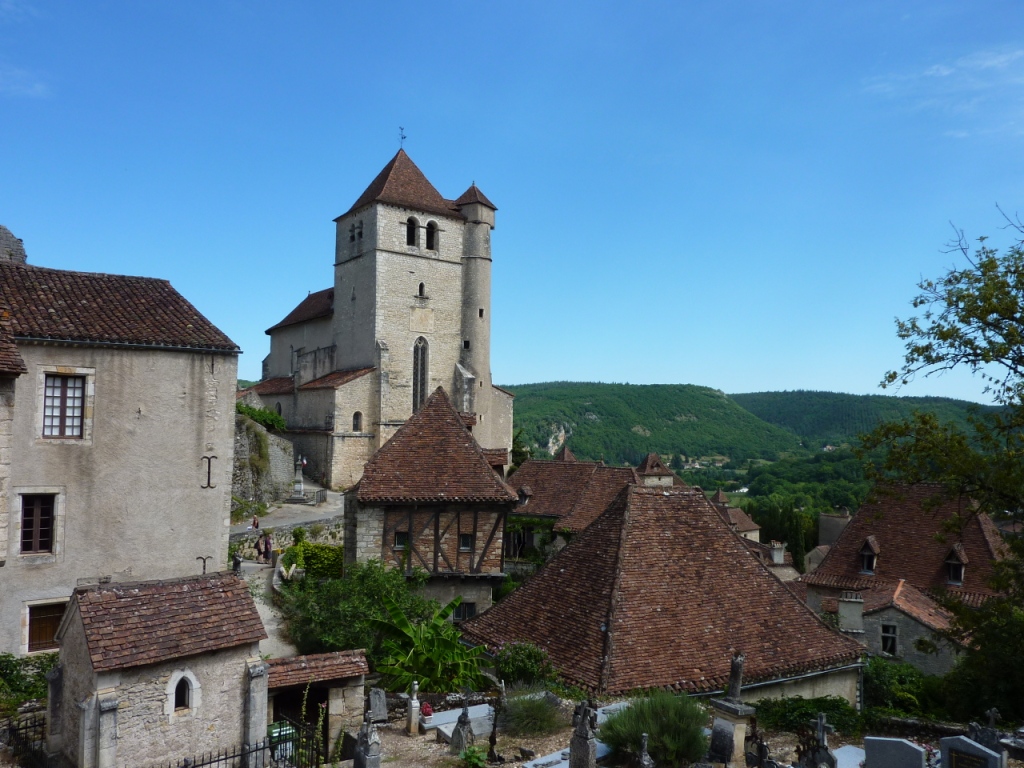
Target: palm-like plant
(430,652)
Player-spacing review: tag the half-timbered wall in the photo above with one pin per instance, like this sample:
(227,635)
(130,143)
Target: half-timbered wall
(437,538)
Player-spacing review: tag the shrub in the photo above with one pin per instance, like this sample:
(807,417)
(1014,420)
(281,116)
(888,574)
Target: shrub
(474,757)
(321,561)
(298,535)
(674,725)
(533,716)
(523,663)
(797,714)
(23,679)
(893,685)
(262,416)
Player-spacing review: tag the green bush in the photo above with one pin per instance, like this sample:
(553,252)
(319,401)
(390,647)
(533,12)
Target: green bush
(673,723)
(474,757)
(893,685)
(262,416)
(533,716)
(23,679)
(298,535)
(523,663)
(797,713)
(321,561)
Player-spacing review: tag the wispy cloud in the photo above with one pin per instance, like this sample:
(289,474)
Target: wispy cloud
(12,10)
(21,82)
(985,86)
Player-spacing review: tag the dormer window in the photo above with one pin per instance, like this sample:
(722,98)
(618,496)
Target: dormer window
(431,236)
(869,556)
(955,562)
(412,231)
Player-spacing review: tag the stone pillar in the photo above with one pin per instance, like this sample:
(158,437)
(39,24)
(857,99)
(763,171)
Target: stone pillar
(732,719)
(106,741)
(367,745)
(583,745)
(6,422)
(55,709)
(254,726)
(412,725)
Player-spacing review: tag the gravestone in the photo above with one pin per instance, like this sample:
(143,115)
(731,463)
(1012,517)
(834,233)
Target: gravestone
(583,745)
(988,736)
(645,759)
(378,706)
(463,735)
(961,752)
(732,719)
(412,724)
(367,745)
(892,753)
(813,752)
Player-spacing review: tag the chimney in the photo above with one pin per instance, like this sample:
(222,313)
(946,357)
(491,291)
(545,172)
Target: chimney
(778,550)
(851,613)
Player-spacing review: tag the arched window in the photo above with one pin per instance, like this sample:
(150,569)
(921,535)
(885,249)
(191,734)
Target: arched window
(357,422)
(420,373)
(182,695)
(412,231)
(431,236)
(422,291)
(278,408)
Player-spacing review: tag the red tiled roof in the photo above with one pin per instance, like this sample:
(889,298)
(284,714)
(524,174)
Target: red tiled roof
(564,454)
(474,195)
(898,524)
(605,484)
(317,304)
(738,519)
(401,183)
(282,385)
(677,593)
(129,625)
(908,599)
(432,458)
(653,466)
(336,379)
(60,305)
(574,491)
(316,668)
(496,457)
(11,363)
(720,497)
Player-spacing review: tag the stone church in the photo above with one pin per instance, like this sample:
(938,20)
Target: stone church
(409,311)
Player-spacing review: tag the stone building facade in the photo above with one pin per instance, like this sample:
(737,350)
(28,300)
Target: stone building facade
(116,440)
(153,672)
(409,311)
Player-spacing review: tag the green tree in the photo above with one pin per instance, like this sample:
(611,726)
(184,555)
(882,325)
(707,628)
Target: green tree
(972,318)
(520,451)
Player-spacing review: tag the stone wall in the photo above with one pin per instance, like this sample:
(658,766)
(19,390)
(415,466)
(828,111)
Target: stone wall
(908,631)
(264,466)
(284,342)
(327,531)
(364,531)
(845,683)
(6,419)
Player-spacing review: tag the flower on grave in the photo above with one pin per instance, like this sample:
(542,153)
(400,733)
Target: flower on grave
(426,710)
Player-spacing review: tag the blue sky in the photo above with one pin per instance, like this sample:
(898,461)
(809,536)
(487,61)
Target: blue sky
(734,194)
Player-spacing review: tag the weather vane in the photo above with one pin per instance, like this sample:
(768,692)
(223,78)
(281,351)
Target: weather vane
(401,137)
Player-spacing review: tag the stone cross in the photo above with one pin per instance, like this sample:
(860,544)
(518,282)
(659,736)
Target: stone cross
(823,729)
(732,693)
(992,715)
(583,745)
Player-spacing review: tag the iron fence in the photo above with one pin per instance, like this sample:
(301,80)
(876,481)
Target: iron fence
(26,737)
(289,745)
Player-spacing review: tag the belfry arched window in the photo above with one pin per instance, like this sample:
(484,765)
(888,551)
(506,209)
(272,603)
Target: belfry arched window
(422,292)
(431,236)
(420,373)
(412,231)
(357,422)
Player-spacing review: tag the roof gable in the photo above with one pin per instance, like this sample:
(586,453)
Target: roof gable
(316,305)
(653,466)
(677,627)
(432,458)
(474,195)
(403,184)
(88,307)
(129,625)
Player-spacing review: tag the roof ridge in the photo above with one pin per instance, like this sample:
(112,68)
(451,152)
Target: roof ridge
(609,642)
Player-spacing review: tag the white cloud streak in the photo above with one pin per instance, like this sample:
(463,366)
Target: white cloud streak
(20,82)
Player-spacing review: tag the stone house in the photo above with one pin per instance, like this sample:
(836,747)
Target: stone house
(432,498)
(905,545)
(156,671)
(736,518)
(116,439)
(657,592)
(409,310)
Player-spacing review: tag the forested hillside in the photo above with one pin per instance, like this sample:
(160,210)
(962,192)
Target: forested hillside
(834,418)
(624,422)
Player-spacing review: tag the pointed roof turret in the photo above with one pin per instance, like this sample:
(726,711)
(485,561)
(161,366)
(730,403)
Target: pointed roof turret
(432,458)
(565,454)
(474,195)
(652,465)
(402,183)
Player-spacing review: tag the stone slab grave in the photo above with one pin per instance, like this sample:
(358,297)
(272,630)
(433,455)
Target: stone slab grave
(481,720)
(892,753)
(961,752)
(378,706)
(849,756)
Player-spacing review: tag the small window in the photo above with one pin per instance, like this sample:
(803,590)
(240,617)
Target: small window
(422,291)
(431,236)
(352,233)
(465,542)
(867,562)
(37,516)
(43,621)
(954,572)
(481,311)
(63,404)
(359,230)
(420,373)
(465,343)
(889,639)
(278,409)
(357,422)
(464,611)
(401,539)
(412,231)
(182,694)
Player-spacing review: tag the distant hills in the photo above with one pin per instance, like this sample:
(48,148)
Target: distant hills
(835,418)
(623,422)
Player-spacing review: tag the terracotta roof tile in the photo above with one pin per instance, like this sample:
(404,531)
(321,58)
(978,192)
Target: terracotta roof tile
(60,305)
(129,625)
(316,668)
(11,363)
(574,491)
(432,458)
(908,599)
(316,304)
(653,466)
(605,484)
(401,183)
(336,379)
(737,519)
(282,385)
(474,195)
(564,454)
(900,526)
(677,593)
